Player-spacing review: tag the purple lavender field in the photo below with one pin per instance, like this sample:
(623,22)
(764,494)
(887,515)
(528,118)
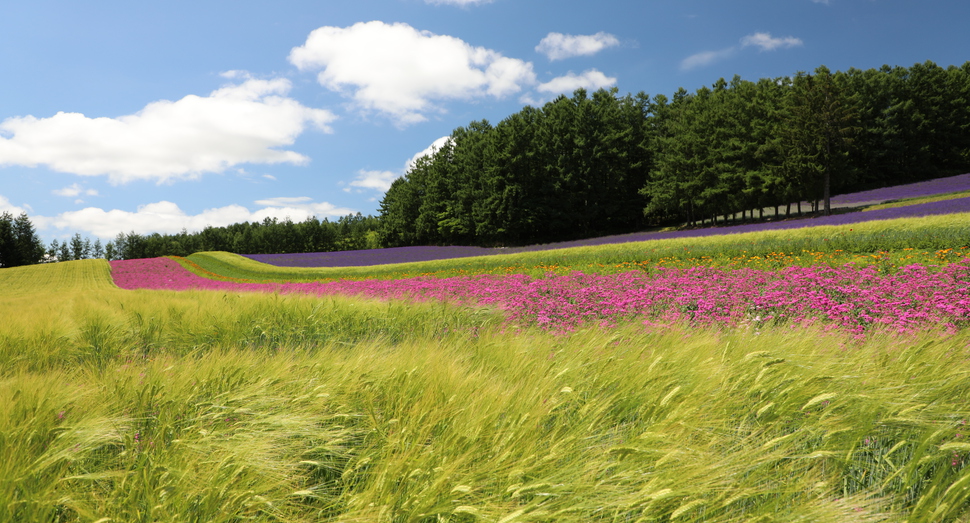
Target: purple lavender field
(417,254)
(913,190)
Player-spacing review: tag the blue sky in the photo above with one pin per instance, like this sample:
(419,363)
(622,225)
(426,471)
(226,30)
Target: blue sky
(158,116)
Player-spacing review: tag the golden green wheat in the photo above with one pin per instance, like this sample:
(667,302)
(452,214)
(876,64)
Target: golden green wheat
(141,406)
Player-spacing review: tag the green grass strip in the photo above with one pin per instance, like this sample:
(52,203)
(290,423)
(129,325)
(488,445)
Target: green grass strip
(918,200)
(938,239)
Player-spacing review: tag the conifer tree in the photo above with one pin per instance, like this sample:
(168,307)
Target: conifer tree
(821,124)
(19,242)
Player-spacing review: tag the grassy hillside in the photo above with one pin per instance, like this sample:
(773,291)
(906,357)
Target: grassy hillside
(31,280)
(599,426)
(225,406)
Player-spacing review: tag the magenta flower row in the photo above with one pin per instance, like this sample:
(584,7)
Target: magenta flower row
(911,299)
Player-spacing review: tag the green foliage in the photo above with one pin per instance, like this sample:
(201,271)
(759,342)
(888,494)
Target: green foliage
(820,126)
(592,165)
(570,169)
(271,236)
(19,242)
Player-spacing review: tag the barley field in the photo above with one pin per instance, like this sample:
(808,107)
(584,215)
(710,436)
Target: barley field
(229,405)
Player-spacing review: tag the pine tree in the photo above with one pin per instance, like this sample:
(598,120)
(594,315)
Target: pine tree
(79,250)
(7,245)
(64,252)
(821,124)
(29,247)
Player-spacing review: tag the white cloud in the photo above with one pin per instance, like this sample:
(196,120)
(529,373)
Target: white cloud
(381,180)
(284,201)
(167,218)
(74,190)
(402,72)
(269,177)
(6,206)
(236,74)
(558,46)
(376,180)
(705,58)
(165,141)
(590,80)
(428,151)
(766,42)
(299,208)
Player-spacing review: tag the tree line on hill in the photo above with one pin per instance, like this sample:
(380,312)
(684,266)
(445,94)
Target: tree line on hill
(595,164)
(270,236)
(20,244)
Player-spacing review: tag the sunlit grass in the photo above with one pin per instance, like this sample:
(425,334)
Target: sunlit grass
(31,280)
(598,426)
(211,406)
(88,318)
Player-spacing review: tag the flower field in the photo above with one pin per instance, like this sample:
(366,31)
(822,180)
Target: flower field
(899,290)
(852,298)
(816,374)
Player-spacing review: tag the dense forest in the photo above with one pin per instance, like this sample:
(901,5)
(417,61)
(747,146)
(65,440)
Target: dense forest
(595,164)
(600,163)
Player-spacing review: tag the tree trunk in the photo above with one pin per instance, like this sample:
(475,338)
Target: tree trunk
(826,185)
(826,189)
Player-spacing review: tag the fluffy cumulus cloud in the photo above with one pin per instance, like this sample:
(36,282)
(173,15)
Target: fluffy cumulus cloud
(766,42)
(590,80)
(558,46)
(167,218)
(247,122)
(404,73)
